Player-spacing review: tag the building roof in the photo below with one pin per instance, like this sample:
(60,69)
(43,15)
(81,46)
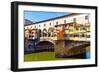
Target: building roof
(72,14)
(57,17)
(27,22)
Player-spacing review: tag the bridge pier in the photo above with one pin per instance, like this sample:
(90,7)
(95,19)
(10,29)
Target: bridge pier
(59,48)
(74,49)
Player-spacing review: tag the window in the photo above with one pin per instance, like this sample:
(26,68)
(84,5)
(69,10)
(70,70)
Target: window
(83,35)
(84,28)
(88,36)
(64,21)
(74,19)
(56,23)
(50,24)
(86,17)
(76,35)
(39,25)
(44,25)
(77,29)
(55,34)
(32,32)
(35,26)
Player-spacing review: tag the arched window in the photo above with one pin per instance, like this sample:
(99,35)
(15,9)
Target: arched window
(74,19)
(26,33)
(44,32)
(86,17)
(57,23)
(50,24)
(39,32)
(50,32)
(64,21)
(44,25)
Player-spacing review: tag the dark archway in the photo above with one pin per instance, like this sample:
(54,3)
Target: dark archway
(44,46)
(51,32)
(39,32)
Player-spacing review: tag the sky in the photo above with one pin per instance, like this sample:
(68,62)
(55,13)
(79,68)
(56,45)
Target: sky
(40,15)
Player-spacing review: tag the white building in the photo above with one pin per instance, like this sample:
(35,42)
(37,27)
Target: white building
(79,19)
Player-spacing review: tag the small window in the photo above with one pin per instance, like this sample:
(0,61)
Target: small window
(64,21)
(44,25)
(88,36)
(50,24)
(39,25)
(74,19)
(56,23)
(84,28)
(32,32)
(32,36)
(83,35)
(86,17)
(35,26)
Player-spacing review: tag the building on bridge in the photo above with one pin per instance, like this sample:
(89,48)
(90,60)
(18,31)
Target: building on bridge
(75,26)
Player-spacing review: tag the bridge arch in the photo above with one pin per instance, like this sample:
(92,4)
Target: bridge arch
(47,39)
(45,46)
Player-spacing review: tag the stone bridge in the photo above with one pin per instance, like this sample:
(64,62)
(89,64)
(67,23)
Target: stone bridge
(64,48)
